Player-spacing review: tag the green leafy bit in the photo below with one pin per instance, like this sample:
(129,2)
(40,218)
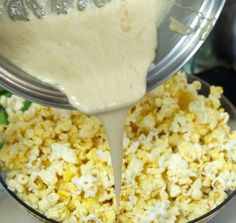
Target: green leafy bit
(5,93)
(26,105)
(3,117)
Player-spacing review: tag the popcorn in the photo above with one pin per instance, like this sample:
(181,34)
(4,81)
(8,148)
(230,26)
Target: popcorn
(87,184)
(226,180)
(69,172)
(110,216)
(44,205)
(179,158)
(180,124)
(177,168)
(13,185)
(174,190)
(148,122)
(104,155)
(90,218)
(196,192)
(133,147)
(134,169)
(106,178)
(22,179)
(190,151)
(230,147)
(49,175)
(12,104)
(157,213)
(63,152)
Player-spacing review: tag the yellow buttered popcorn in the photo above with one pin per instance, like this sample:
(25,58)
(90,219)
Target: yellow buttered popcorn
(179,158)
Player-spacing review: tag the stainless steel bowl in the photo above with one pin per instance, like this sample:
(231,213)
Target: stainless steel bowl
(226,104)
(174,50)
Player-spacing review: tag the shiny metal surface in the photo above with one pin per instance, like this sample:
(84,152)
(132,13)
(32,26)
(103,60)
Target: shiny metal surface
(24,9)
(219,50)
(174,50)
(225,34)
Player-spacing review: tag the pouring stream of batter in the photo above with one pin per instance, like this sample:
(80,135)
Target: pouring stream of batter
(99,58)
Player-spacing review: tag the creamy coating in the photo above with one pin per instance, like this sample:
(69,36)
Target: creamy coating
(99,58)
(82,52)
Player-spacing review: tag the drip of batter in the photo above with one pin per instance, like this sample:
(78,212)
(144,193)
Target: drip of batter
(114,126)
(98,57)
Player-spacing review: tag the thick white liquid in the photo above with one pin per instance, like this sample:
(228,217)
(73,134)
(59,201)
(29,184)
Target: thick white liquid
(100,57)
(114,126)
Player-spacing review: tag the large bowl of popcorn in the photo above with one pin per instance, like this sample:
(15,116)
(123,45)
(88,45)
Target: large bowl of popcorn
(179,158)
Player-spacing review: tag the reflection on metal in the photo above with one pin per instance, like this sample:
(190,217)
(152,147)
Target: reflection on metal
(82,4)
(219,50)
(23,9)
(61,6)
(16,10)
(36,8)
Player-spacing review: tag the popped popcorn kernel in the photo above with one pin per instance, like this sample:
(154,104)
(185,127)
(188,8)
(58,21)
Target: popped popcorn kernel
(179,158)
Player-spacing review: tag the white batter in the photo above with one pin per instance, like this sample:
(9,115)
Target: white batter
(99,57)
